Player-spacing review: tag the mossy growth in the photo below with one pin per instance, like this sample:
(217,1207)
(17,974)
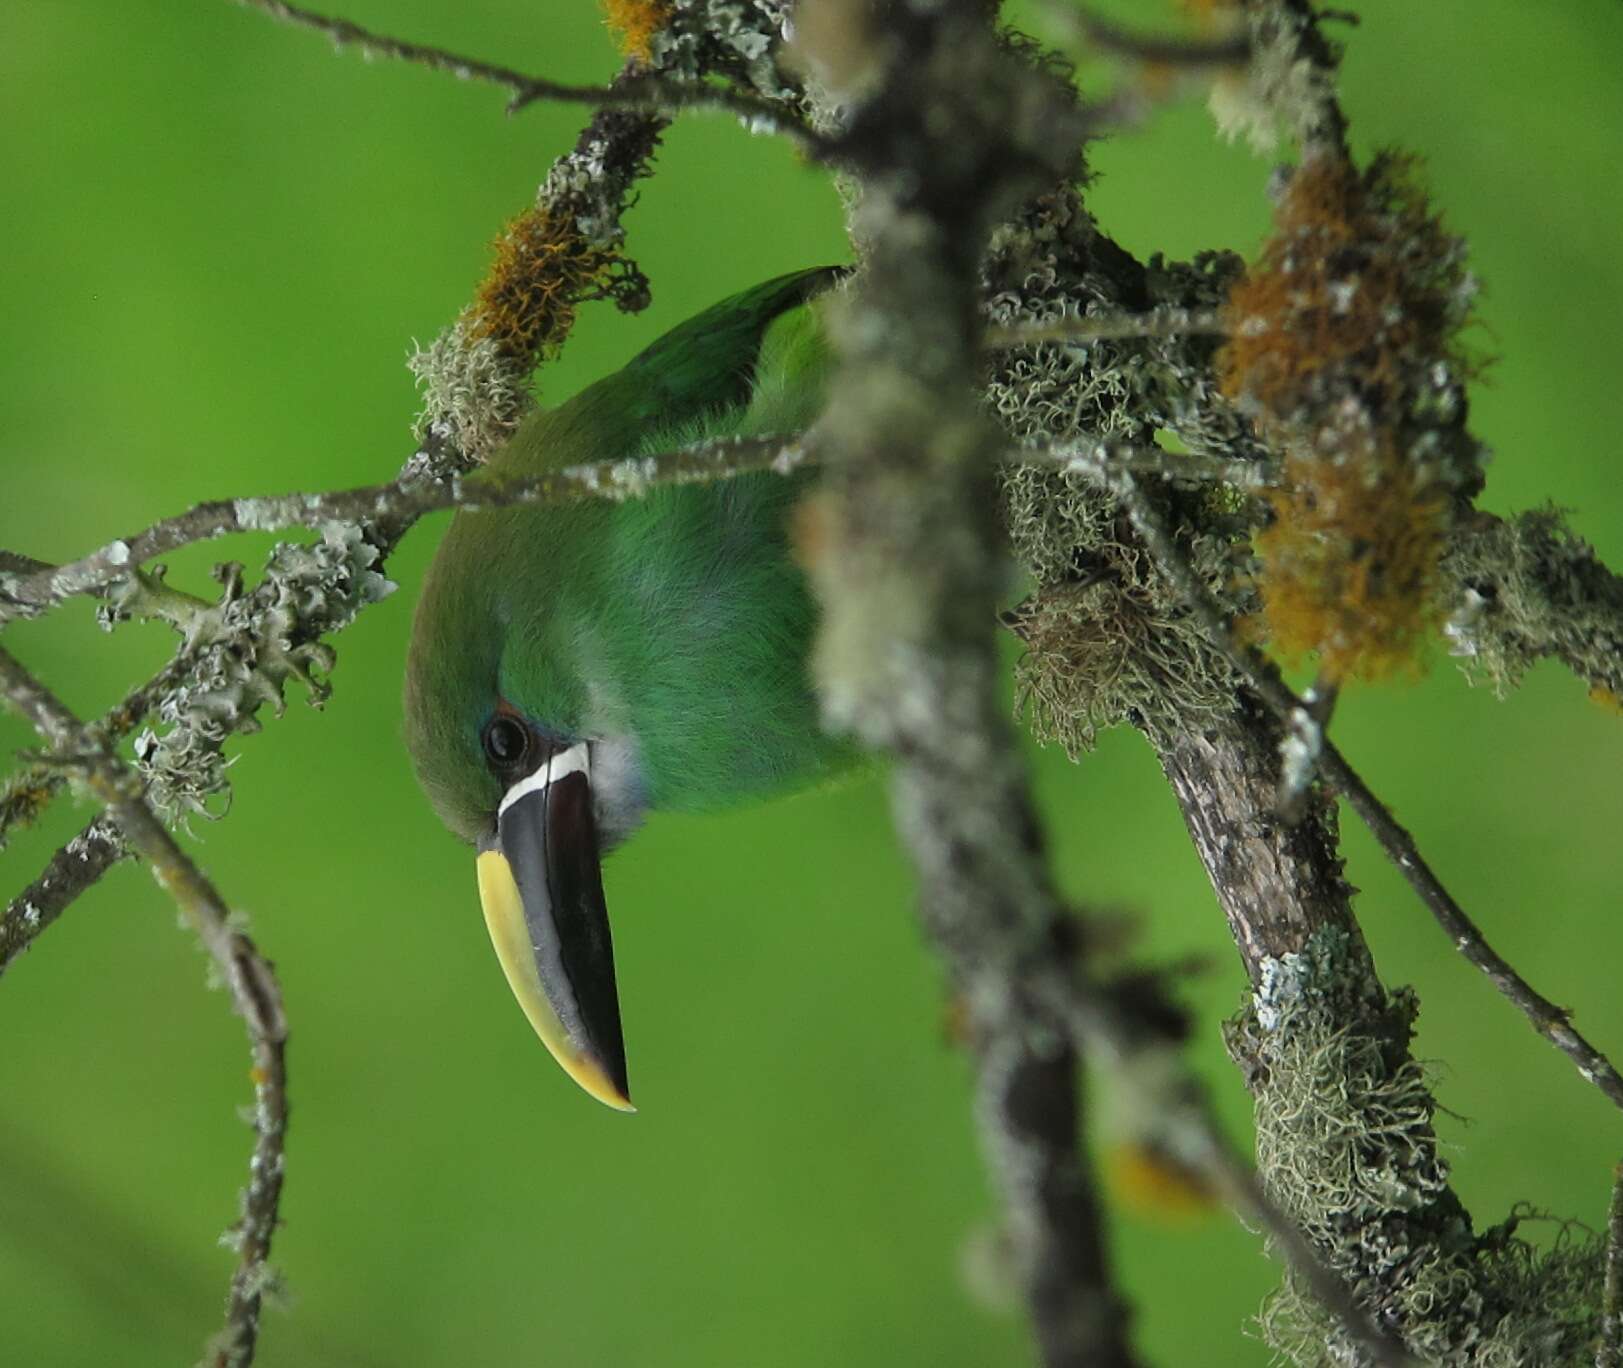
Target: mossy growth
(475,375)
(1349,563)
(635,23)
(542,269)
(1106,640)
(22,798)
(1528,587)
(1105,652)
(1344,346)
(1346,1147)
(1359,287)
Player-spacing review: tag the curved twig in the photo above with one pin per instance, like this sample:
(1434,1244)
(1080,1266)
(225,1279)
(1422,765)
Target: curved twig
(248,976)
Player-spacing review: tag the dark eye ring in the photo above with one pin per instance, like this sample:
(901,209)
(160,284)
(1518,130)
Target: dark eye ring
(506,740)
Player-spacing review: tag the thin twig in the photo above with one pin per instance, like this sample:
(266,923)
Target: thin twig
(73,869)
(1550,1021)
(1104,462)
(397,501)
(1081,331)
(252,984)
(645,91)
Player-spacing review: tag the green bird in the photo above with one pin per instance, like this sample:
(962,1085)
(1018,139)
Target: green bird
(576,666)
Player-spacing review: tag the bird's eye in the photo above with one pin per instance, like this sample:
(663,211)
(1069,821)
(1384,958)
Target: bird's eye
(506,741)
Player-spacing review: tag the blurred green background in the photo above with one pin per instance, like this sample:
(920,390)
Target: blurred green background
(218,241)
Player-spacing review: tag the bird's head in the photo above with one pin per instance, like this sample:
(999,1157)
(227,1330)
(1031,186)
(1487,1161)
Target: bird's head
(505,750)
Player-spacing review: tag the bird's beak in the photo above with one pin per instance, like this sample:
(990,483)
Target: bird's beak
(542,890)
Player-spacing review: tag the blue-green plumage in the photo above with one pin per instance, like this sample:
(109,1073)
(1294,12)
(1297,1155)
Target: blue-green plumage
(669,633)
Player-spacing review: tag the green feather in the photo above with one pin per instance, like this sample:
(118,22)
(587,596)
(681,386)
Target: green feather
(677,621)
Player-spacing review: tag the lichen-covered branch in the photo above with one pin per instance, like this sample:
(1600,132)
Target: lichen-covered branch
(1344,1113)
(1109,637)
(74,868)
(247,975)
(1550,1021)
(401,502)
(26,793)
(1526,588)
(1079,332)
(397,504)
(905,659)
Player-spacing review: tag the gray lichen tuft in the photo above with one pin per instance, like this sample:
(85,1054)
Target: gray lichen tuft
(1282,90)
(470,383)
(1346,1146)
(1527,587)
(732,37)
(249,647)
(1107,640)
(1103,653)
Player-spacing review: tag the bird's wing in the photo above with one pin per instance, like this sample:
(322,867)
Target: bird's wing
(700,368)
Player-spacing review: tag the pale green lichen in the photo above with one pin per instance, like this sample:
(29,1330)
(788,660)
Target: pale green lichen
(1106,639)
(1346,1147)
(1102,653)
(735,37)
(472,385)
(248,648)
(1281,89)
(1528,587)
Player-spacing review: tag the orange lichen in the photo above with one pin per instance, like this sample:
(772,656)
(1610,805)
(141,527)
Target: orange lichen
(1336,338)
(811,530)
(635,23)
(543,269)
(1607,699)
(1358,287)
(1153,1183)
(1350,564)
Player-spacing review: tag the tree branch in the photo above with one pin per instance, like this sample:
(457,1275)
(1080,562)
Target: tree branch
(638,90)
(25,794)
(1550,1021)
(906,657)
(1527,588)
(401,502)
(74,868)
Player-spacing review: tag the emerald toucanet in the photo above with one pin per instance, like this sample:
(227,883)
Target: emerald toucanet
(575,666)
